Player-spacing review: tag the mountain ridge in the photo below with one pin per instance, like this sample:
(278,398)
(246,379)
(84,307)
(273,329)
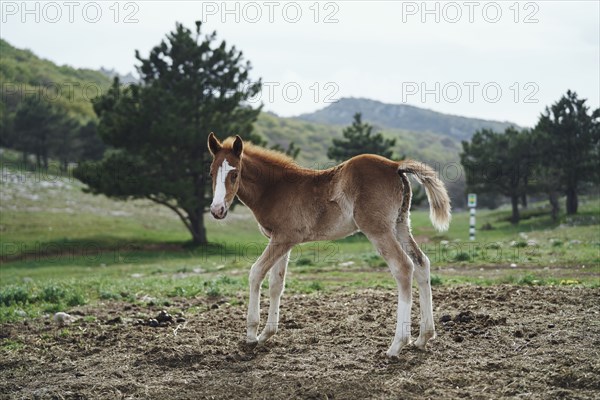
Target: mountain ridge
(402,116)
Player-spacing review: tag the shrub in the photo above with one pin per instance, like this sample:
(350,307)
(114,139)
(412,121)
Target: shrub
(14,295)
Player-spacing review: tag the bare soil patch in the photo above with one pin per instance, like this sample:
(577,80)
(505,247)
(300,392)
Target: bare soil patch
(495,342)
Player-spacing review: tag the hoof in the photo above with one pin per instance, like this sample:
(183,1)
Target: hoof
(262,339)
(423,339)
(251,341)
(266,334)
(394,350)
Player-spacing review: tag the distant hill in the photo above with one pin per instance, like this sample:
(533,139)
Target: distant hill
(401,116)
(315,138)
(437,141)
(21,72)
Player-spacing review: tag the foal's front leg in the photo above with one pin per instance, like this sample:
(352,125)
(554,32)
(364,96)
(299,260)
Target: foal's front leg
(265,262)
(276,285)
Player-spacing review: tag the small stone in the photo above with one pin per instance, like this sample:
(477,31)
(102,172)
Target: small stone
(551,326)
(519,334)
(180,320)
(153,323)
(214,306)
(62,318)
(458,338)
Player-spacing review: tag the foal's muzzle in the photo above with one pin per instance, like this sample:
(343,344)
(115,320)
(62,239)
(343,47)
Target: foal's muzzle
(218,211)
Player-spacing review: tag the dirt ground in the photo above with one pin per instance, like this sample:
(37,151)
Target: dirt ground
(497,342)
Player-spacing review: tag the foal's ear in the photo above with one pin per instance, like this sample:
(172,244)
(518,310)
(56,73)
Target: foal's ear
(238,146)
(213,144)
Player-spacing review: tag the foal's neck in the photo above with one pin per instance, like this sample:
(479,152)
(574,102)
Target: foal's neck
(259,176)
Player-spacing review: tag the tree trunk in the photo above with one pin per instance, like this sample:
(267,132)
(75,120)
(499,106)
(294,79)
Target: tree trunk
(515,209)
(198,230)
(197,222)
(572,201)
(553,197)
(524,200)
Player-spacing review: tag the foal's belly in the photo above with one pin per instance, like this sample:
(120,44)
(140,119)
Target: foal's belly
(336,223)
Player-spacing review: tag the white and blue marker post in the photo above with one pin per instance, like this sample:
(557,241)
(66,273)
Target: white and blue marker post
(472,203)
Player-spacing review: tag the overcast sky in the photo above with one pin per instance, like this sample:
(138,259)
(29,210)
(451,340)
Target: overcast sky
(492,60)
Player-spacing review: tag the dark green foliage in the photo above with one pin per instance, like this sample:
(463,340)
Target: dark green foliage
(42,129)
(89,145)
(304,261)
(568,148)
(462,256)
(561,154)
(45,110)
(436,280)
(359,139)
(159,128)
(13,295)
(499,163)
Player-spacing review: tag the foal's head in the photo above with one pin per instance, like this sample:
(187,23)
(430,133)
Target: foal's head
(225,171)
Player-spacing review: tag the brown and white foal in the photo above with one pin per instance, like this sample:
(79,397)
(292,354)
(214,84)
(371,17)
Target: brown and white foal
(295,205)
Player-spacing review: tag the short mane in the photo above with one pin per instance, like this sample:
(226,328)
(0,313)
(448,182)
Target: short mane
(267,155)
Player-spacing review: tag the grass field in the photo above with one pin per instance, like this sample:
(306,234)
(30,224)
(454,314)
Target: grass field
(62,247)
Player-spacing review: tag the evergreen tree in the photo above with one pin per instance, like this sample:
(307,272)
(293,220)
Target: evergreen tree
(43,130)
(89,144)
(499,163)
(568,142)
(359,139)
(158,129)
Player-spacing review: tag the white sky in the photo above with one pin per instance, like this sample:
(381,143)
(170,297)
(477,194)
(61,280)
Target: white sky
(382,50)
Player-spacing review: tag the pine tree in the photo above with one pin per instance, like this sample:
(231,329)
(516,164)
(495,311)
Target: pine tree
(359,139)
(568,146)
(499,163)
(158,129)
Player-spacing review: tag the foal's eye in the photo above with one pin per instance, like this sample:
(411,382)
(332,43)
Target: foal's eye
(233,175)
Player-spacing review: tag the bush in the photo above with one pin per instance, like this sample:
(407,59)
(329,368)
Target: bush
(374,260)
(436,280)
(14,295)
(462,256)
(304,261)
(52,294)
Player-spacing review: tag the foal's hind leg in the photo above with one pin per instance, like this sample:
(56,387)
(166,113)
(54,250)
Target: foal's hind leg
(276,285)
(401,267)
(422,274)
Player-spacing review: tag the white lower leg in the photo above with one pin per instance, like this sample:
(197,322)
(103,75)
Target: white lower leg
(253,305)
(427,329)
(276,286)
(402,336)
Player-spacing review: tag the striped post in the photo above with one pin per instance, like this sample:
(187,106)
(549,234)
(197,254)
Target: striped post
(472,224)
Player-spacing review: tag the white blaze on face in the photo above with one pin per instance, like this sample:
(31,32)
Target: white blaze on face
(220,188)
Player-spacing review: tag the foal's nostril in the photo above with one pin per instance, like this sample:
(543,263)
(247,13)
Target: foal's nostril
(222,210)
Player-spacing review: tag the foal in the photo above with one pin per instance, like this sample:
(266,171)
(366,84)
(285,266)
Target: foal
(295,205)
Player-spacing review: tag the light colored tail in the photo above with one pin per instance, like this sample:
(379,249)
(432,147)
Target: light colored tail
(439,202)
